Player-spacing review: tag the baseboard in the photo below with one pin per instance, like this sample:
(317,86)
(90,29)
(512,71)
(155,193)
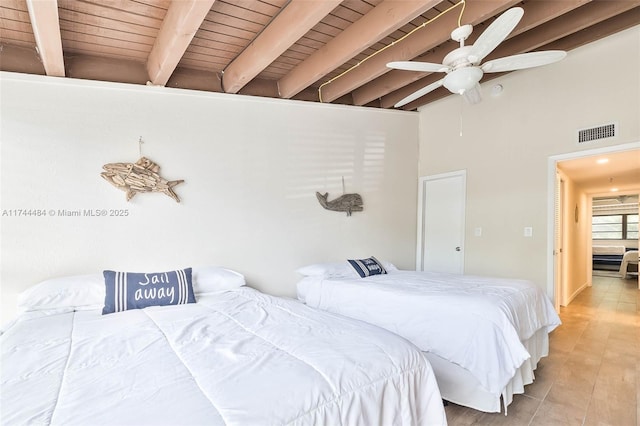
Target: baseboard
(575,293)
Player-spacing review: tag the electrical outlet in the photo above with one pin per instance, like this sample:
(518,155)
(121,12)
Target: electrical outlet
(477,232)
(528,231)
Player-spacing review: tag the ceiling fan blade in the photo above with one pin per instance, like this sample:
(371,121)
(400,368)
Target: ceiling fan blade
(419,93)
(418,66)
(524,60)
(474,95)
(495,34)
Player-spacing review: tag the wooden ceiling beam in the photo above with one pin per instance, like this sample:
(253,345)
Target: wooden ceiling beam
(591,22)
(182,21)
(603,29)
(579,19)
(294,21)
(46,30)
(89,67)
(536,13)
(381,21)
(432,35)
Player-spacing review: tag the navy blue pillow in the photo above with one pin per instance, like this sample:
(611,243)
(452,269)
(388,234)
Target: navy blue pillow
(367,267)
(137,290)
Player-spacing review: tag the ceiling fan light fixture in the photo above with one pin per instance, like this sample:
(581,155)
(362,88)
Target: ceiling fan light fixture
(463,64)
(462,79)
(473,96)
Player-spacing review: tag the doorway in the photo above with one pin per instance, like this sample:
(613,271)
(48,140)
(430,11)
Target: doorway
(615,235)
(441,223)
(590,180)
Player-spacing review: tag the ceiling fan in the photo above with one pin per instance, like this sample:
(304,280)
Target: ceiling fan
(462,65)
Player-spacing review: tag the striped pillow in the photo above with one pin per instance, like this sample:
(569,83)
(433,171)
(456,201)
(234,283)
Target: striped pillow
(367,267)
(137,290)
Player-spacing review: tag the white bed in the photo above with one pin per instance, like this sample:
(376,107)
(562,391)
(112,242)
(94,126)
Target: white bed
(483,336)
(235,357)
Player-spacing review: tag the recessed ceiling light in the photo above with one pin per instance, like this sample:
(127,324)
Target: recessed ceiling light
(602,160)
(614,189)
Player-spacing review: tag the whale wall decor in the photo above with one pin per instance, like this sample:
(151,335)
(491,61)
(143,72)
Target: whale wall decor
(345,203)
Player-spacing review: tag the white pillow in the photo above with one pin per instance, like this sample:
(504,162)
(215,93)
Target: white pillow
(389,266)
(82,292)
(336,270)
(211,279)
(328,270)
(78,292)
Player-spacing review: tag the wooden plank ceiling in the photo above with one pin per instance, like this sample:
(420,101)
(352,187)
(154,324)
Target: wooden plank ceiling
(314,50)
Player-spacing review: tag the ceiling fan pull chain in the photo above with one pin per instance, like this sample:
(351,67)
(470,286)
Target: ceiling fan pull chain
(461,111)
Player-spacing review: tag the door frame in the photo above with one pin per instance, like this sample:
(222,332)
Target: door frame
(552,286)
(558,243)
(420,220)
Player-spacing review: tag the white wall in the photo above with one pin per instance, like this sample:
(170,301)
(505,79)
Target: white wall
(507,140)
(251,166)
(577,243)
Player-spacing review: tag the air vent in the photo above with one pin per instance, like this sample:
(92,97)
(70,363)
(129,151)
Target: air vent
(595,133)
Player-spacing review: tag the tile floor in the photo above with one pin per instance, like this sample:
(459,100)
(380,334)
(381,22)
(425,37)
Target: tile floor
(592,373)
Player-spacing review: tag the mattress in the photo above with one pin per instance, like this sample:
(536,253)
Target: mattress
(478,323)
(239,357)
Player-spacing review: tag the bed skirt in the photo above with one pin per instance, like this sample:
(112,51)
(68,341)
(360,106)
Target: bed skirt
(459,386)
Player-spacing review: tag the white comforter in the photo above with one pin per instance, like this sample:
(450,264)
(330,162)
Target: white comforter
(237,358)
(475,322)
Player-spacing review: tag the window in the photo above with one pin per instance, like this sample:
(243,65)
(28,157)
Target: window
(607,227)
(632,226)
(615,227)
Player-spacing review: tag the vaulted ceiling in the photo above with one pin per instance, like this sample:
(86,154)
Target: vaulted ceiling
(314,50)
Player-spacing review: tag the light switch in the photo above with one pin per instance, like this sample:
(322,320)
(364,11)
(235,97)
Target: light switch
(528,231)
(477,232)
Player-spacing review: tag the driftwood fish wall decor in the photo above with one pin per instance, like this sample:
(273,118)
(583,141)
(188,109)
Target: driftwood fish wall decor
(141,176)
(344,203)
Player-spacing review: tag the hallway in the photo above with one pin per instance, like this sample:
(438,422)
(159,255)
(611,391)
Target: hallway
(592,373)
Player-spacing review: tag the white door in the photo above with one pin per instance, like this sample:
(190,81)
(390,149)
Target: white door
(441,213)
